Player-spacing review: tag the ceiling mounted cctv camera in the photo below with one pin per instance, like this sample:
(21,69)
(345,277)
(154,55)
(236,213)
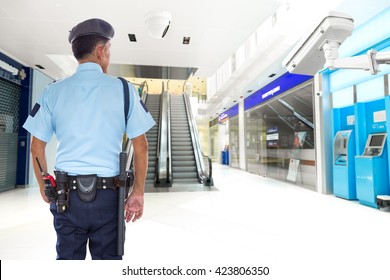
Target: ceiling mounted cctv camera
(307,57)
(320,48)
(157,23)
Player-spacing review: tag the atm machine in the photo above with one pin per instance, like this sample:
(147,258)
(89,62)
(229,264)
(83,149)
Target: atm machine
(344,182)
(372,170)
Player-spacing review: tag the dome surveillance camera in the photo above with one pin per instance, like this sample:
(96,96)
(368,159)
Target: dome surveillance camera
(157,23)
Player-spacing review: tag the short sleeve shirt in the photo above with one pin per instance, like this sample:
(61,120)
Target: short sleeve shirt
(86,112)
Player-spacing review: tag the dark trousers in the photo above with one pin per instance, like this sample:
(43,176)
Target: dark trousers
(93,223)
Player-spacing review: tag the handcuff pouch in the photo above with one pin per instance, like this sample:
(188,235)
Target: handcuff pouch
(86,187)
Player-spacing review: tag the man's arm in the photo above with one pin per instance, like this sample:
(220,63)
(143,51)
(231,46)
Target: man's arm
(38,151)
(135,202)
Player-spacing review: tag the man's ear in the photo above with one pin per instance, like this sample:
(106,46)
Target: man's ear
(99,51)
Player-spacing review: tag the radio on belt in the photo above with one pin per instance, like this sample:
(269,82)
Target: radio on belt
(50,184)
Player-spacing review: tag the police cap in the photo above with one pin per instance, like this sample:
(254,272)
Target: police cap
(92,26)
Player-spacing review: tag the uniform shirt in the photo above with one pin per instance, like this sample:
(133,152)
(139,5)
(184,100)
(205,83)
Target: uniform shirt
(86,112)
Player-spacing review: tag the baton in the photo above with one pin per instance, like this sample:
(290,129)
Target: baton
(121,204)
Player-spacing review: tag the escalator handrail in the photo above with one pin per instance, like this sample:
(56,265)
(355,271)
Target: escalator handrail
(144,83)
(199,155)
(157,166)
(203,175)
(129,145)
(164,170)
(169,141)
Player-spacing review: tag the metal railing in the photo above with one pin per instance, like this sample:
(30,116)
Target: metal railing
(163,160)
(127,145)
(169,141)
(203,162)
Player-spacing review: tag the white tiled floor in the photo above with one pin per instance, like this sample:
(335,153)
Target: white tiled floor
(249,221)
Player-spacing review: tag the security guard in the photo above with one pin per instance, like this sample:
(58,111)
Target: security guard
(86,112)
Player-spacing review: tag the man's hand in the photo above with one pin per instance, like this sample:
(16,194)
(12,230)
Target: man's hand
(134,207)
(44,197)
(38,151)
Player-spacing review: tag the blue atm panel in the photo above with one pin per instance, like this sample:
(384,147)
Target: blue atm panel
(344,183)
(371,170)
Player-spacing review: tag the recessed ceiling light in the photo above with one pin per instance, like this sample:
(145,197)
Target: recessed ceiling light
(132,38)
(39,66)
(272,75)
(249,91)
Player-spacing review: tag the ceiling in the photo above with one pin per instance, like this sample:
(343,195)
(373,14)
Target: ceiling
(36,32)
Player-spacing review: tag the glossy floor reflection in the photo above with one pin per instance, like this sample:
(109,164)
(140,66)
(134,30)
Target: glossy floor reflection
(248,221)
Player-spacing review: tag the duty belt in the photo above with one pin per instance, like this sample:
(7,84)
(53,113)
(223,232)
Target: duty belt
(101,182)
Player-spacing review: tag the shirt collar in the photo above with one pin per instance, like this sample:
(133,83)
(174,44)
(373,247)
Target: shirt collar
(87,66)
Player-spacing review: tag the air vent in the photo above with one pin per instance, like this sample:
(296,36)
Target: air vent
(39,66)
(186,40)
(272,75)
(132,38)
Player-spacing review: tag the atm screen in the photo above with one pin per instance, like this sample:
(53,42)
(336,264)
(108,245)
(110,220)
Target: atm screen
(376,140)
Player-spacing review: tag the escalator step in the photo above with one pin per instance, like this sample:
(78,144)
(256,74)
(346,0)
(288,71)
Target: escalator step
(182,153)
(185,162)
(183,158)
(182,148)
(184,175)
(183,169)
(186,181)
(181,139)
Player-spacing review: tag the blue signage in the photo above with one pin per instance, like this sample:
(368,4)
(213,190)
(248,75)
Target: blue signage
(233,111)
(230,113)
(280,85)
(223,117)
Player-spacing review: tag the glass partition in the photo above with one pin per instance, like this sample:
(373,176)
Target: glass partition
(280,138)
(234,148)
(214,143)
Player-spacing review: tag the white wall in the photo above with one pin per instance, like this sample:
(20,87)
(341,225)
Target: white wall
(40,81)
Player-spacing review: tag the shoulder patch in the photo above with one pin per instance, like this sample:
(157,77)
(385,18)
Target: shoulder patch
(144,106)
(35,110)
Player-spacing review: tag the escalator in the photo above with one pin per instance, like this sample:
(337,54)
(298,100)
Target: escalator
(153,104)
(189,164)
(176,160)
(183,158)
